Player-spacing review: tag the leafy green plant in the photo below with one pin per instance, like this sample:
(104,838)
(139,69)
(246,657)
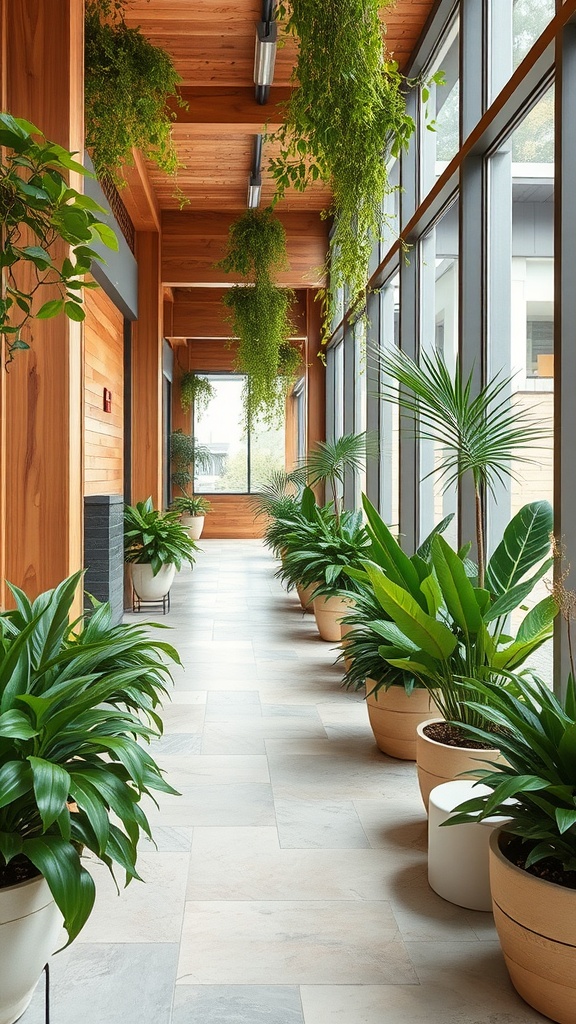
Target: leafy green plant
(39,211)
(127,85)
(329,461)
(260,314)
(191,506)
(186,456)
(154,537)
(280,500)
(478,433)
(74,703)
(345,118)
(197,391)
(445,628)
(537,736)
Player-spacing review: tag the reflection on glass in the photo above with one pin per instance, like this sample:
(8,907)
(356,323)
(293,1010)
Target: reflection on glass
(360,395)
(220,429)
(529,19)
(389,414)
(267,453)
(441,137)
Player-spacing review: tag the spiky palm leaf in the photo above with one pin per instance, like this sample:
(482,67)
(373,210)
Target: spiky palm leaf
(329,460)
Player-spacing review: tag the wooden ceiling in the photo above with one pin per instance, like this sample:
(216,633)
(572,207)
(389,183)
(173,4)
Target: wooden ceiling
(212,45)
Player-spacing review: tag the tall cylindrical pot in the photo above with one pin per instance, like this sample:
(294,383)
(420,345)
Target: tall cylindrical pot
(345,629)
(328,612)
(149,587)
(305,595)
(395,715)
(30,931)
(440,762)
(194,525)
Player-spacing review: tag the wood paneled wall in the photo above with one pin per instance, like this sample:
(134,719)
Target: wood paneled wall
(103,368)
(199,313)
(147,453)
(232,517)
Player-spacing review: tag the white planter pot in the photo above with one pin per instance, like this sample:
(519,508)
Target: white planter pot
(30,930)
(149,587)
(194,525)
(328,612)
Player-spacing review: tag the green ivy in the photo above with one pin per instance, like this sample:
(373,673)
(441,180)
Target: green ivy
(260,315)
(196,391)
(345,118)
(127,84)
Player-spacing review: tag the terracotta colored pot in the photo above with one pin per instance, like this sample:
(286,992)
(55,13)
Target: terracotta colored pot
(345,629)
(394,717)
(30,931)
(147,586)
(305,595)
(194,525)
(439,762)
(536,923)
(328,612)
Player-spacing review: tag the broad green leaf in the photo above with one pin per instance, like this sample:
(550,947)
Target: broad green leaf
(422,629)
(457,591)
(565,819)
(51,308)
(526,542)
(16,724)
(74,311)
(107,235)
(392,559)
(514,597)
(15,781)
(51,788)
(70,884)
(10,845)
(431,590)
(538,620)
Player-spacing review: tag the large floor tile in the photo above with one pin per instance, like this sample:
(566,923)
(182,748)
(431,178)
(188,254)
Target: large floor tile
(310,824)
(292,943)
(237,1004)
(234,804)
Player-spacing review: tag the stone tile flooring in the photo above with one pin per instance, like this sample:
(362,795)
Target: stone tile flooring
(289,881)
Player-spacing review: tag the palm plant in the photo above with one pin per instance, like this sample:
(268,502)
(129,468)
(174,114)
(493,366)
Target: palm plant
(478,430)
(186,456)
(75,704)
(280,500)
(329,461)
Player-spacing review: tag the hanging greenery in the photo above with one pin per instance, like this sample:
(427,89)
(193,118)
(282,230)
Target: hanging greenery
(196,391)
(127,84)
(345,118)
(260,314)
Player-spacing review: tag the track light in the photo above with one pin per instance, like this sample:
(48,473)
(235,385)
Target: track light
(254,191)
(265,52)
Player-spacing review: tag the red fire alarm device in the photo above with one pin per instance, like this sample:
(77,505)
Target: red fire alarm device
(107,400)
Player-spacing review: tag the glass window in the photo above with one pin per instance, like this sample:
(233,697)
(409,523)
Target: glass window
(390,416)
(441,144)
(529,19)
(338,390)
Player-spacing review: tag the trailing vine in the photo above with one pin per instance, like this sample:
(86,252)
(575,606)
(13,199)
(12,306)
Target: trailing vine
(127,84)
(260,314)
(196,391)
(345,118)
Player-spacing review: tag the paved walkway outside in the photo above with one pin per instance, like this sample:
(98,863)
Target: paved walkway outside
(289,884)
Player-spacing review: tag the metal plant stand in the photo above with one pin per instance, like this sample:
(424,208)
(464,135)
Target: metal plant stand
(137,602)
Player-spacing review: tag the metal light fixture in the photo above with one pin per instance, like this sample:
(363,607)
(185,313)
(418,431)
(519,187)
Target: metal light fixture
(255,180)
(265,52)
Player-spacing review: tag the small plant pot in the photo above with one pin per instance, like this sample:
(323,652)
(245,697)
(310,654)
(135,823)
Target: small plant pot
(536,924)
(194,525)
(305,596)
(394,716)
(147,586)
(440,762)
(328,612)
(30,930)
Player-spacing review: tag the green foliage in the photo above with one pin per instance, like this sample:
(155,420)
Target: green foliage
(186,455)
(446,628)
(197,391)
(156,538)
(36,201)
(476,433)
(345,118)
(74,704)
(260,315)
(329,461)
(191,506)
(537,736)
(127,84)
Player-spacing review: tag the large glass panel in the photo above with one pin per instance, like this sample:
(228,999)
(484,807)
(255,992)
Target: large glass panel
(220,429)
(529,19)
(338,390)
(521,309)
(390,417)
(267,453)
(439,335)
(441,130)
(360,394)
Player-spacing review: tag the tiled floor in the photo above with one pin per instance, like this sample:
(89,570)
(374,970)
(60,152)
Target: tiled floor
(289,884)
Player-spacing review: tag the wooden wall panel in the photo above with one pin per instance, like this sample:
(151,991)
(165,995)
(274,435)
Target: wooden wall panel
(200,313)
(103,368)
(147,374)
(232,517)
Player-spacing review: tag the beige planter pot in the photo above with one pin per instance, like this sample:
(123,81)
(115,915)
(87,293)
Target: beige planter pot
(536,923)
(194,525)
(30,931)
(394,717)
(147,586)
(439,762)
(328,611)
(345,630)
(305,595)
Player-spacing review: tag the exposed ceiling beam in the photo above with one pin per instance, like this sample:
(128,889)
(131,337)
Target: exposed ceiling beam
(139,196)
(199,313)
(228,111)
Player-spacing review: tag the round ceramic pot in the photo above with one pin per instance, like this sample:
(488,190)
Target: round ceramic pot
(194,525)
(328,612)
(345,629)
(536,924)
(394,716)
(30,931)
(439,762)
(305,595)
(149,587)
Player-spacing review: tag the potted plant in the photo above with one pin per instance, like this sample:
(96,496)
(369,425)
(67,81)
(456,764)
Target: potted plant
(445,628)
(76,701)
(155,546)
(533,855)
(187,456)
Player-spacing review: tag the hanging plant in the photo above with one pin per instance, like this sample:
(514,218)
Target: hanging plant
(38,210)
(345,118)
(127,85)
(260,314)
(196,391)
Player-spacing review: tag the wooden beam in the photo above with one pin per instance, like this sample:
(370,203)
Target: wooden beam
(139,197)
(315,379)
(193,243)
(200,313)
(228,111)
(147,374)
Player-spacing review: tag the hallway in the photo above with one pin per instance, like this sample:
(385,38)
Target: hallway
(289,884)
